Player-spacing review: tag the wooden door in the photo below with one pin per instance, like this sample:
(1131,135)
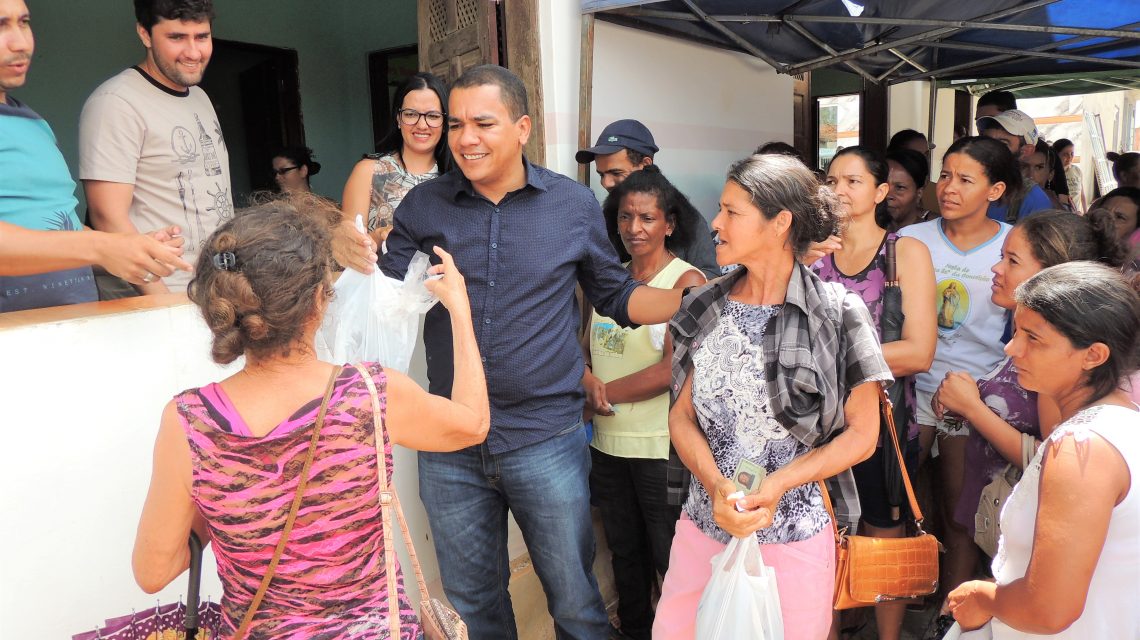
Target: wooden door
(803,122)
(457,34)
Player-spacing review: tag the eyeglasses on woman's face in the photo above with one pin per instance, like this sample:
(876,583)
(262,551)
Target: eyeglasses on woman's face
(284,170)
(411,117)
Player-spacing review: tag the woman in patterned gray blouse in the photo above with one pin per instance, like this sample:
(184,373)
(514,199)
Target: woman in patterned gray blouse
(770,368)
(413,151)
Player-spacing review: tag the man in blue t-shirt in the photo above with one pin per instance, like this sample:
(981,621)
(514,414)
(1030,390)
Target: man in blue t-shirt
(1018,132)
(40,267)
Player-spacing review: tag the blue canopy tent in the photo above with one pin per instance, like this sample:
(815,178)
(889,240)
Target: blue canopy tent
(893,41)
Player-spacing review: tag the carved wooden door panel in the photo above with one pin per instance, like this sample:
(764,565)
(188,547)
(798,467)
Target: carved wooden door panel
(457,34)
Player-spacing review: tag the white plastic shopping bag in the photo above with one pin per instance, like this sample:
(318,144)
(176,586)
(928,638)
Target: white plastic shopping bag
(740,600)
(986,632)
(374,318)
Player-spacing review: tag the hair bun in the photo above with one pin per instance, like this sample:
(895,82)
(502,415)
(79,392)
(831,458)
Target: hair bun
(255,326)
(314,168)
(1110,249)
(220,314)
(830,218)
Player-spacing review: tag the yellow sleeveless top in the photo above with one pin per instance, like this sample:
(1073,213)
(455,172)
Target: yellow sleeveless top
(637,429)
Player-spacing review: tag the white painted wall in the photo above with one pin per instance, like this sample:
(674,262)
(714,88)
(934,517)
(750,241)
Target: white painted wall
(560,43)
(706,107)
(910,109)
(80,410)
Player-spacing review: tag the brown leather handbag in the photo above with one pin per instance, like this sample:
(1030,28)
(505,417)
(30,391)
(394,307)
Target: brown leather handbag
(873,570)
(438,620)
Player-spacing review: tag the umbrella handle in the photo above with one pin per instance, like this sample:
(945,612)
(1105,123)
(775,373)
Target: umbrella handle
(192,589)
(890,271)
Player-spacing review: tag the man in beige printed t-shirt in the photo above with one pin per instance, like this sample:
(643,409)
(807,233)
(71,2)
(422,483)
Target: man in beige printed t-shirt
(151,152)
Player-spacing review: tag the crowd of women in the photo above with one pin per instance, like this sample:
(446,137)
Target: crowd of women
(1013,353)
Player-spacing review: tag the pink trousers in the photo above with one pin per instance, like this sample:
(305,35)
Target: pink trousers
(805,578)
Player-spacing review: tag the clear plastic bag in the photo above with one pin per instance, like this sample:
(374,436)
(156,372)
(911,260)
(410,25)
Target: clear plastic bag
(374,318)
(741,600)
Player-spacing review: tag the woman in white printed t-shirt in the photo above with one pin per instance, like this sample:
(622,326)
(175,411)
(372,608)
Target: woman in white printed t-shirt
(963,244)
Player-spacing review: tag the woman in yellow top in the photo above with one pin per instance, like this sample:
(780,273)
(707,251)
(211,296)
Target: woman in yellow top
(648,219)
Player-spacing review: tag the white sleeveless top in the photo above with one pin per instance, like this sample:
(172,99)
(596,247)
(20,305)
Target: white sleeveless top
(1111,609)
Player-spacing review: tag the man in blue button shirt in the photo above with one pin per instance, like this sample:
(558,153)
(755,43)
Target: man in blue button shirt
(523,237)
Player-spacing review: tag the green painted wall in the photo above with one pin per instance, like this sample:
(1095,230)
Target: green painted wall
(81,44)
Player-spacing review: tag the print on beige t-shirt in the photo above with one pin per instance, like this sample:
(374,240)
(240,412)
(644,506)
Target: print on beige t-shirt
(170,147)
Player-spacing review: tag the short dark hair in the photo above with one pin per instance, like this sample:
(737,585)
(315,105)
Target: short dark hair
(914,163)
(1089,303)
(1061,145)
(780,148)
(904,137)
(996,160)
(1122,162)
(1003,100)
(300,156)
(393,140)
(776,182)
(1132,193)
(275,256)
(670,200)
(635,157)
(512,91)
(149,12)
(879,169)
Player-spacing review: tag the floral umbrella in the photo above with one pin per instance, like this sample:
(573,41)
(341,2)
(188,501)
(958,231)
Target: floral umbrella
(176,621)
(163,622)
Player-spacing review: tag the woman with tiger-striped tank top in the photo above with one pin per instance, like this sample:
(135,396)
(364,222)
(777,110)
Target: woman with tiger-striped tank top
(230,456)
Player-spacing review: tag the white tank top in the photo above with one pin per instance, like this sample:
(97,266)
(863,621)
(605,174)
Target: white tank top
(1112,609)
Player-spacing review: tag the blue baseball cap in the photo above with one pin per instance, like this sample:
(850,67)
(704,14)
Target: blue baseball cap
(623,134)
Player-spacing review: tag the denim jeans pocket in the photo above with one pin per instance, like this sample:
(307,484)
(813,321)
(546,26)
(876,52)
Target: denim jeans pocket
(571,429)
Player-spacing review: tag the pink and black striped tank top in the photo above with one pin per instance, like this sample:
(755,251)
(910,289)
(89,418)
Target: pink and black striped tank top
(331,580)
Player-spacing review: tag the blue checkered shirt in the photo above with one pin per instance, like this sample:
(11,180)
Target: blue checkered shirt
(521,259)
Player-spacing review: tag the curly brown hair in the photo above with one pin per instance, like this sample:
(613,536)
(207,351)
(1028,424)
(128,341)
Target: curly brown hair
(258,275)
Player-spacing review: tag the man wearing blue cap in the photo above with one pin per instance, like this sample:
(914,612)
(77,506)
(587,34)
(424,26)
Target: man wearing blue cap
(626,146)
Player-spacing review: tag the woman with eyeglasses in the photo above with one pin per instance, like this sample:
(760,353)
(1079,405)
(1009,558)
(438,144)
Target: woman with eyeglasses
(413,151)
(292,168)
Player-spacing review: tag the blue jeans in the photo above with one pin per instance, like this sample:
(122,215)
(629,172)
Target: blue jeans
(546,487)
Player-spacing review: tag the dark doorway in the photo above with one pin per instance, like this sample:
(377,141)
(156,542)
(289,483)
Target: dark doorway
(256,92)
(387,70)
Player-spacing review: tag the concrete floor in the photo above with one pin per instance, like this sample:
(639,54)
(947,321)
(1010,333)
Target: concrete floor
(529,600)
